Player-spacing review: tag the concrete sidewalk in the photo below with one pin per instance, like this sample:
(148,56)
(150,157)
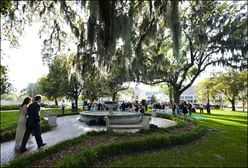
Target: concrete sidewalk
(68,127)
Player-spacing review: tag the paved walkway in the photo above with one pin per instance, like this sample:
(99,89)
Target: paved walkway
(68,127)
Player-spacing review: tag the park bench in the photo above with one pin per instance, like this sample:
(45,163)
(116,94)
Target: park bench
(51,118)
(142,125)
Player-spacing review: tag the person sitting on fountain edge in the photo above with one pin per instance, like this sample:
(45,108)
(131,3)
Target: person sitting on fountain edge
(142,110)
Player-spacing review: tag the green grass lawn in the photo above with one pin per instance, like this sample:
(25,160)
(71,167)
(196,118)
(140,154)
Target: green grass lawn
(10,119)
(225,146)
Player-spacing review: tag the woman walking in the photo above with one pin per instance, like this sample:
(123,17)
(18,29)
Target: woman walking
(185,111)
(21,127)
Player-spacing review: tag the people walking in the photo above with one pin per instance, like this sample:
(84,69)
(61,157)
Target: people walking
(21,127)
(63,107)
(33,124)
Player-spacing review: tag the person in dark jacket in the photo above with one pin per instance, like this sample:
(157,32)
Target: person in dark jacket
(185,111)
(33,124)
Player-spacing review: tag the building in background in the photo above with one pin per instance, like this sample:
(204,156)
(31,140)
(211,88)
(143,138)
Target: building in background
(145,93)
(189,95)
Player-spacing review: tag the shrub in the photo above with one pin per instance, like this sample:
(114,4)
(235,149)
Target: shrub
(91,156)
(10,107)
(9,133)
(104,152)
(45,126)
(52,106)
(5,136)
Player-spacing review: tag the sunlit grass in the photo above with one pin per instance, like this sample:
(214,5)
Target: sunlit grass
(10,119)
(226,146)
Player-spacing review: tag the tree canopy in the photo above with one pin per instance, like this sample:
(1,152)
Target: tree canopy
(231,85)
(162,41)
(6,86)
(206,25)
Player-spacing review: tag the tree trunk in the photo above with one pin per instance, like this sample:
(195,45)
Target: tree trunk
(113,96)
(170,93)
(176,95)
(243,104)
(76,102)
(170,96)
(56,102)
(233,105)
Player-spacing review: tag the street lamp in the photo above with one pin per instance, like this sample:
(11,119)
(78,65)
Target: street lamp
(208,105)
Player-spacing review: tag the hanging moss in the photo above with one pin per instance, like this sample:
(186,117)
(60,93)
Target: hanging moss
(175,27)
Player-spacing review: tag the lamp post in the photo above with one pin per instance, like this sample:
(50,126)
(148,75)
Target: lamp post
(208,105)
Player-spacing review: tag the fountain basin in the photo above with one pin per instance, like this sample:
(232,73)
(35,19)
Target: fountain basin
(115,117)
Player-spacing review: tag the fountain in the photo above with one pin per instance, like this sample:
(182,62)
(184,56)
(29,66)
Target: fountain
(111,105)
(115,117)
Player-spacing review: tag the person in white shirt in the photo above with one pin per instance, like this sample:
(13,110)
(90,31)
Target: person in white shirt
(63,107)
(193,108)
(201,108)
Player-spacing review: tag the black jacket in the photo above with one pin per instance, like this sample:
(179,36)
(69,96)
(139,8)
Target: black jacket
(33,114)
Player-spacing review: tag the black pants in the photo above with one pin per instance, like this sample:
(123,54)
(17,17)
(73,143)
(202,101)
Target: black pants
(37,134)
(63,110)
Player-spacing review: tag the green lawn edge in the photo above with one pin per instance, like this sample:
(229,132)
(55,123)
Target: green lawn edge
(91,156)
(166,141)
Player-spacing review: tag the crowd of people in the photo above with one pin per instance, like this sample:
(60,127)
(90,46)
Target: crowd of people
(183,107)
(133,106)
(123,106)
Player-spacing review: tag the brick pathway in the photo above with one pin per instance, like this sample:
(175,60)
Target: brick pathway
(68,127)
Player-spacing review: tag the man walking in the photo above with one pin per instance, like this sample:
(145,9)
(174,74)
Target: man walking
(63,107)
(33,124)
(201,108)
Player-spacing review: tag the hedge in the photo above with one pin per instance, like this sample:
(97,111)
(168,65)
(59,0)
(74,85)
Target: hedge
(10,133)
(90,156)
(10,107)
(93,155)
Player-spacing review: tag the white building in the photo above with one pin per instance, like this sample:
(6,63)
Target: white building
(146,94)
(189,95)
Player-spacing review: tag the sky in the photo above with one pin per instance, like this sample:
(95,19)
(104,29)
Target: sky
(25,64)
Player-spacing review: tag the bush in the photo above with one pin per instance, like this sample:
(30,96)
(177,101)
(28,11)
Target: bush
(105,152)
(92,156)
(9,133)
(52,106)
(45,126)
(5,136)
(10,107)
